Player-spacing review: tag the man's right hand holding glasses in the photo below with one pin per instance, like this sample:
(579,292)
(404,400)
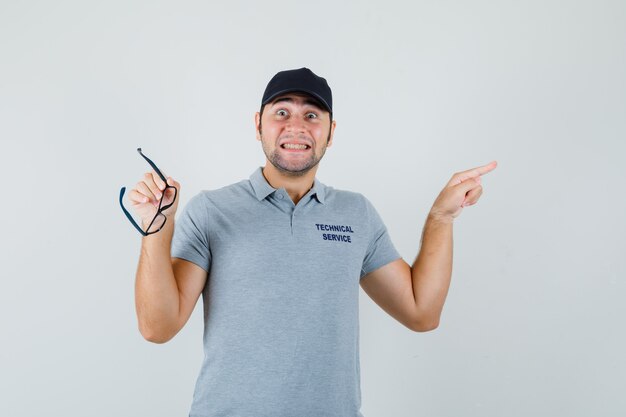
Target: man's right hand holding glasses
(152,199)
(148,195)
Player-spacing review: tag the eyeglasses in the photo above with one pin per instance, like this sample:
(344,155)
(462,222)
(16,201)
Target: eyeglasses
(159,219)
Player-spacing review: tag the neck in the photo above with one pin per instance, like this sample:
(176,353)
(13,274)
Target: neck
(296,186)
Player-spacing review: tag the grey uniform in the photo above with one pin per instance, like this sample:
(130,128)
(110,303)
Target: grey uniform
(281,323)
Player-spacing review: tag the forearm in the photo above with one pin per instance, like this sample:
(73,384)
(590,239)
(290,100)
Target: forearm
(156,292)
(432,270)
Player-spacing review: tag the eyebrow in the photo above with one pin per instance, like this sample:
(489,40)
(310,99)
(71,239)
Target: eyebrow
(308,101)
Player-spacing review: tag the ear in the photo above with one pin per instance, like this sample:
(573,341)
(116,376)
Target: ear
(332,133)
(257,125)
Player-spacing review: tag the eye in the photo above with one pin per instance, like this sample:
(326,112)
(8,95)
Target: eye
(282,112)
(314,116)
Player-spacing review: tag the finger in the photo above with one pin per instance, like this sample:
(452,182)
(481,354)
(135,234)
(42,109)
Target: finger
(476,172)
(170,192)
(136,197)
(171,182)
(148,179)
(158,181)
(472,196)
(143,189)
(468,185)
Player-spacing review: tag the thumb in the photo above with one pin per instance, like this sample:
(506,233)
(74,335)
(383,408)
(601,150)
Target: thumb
(468,184)
(171,182)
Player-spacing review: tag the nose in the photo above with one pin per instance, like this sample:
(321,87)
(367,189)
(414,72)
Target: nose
(295,125)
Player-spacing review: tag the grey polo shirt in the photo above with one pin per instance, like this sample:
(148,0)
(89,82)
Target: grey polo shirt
(281,302)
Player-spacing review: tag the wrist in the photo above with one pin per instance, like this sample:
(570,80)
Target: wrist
(439,218)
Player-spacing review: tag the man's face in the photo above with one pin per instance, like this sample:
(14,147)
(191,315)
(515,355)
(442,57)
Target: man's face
(288,122)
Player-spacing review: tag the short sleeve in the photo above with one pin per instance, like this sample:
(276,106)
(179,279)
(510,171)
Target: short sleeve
(380,250)
(191,233)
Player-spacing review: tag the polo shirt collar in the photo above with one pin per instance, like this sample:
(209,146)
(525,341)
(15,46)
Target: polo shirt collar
(262,188)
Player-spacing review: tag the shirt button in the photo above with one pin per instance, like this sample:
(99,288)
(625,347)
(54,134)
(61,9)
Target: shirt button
(280,196)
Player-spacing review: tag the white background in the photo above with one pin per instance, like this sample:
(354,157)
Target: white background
(534,321)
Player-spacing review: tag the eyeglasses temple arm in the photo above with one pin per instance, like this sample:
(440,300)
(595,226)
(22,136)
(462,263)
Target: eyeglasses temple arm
(152,165)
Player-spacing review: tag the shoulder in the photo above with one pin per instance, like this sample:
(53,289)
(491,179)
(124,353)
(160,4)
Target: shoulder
(348,198)
(212,196)
(203,200)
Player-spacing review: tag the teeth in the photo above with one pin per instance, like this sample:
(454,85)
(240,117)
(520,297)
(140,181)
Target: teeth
(294,146)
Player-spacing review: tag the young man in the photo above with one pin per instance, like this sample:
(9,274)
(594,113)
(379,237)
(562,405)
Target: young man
(279,259)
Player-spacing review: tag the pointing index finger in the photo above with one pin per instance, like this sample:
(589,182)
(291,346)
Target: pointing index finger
(475,172)
(472,173)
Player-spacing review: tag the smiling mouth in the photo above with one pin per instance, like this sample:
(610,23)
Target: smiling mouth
(297,148)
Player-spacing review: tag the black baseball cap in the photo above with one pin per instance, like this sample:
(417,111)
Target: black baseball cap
(302,80)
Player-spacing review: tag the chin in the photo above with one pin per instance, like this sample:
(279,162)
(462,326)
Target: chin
(293,173)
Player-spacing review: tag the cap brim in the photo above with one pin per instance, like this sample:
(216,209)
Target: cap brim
(293,90)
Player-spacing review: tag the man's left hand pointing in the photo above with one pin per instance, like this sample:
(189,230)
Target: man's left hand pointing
(462,190)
